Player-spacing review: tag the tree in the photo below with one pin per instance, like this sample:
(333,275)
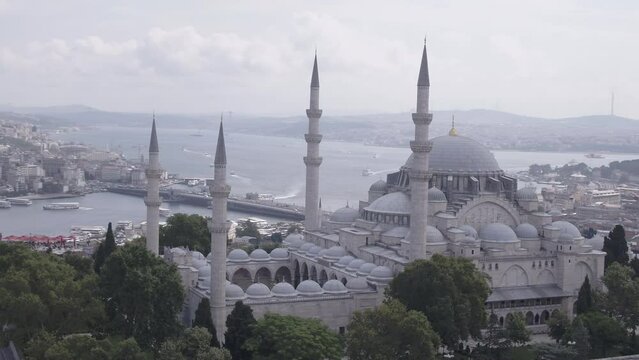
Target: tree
(193,344)
(239,325)
(203,319)
(605,333)
(390,332)
(584,300)
(634,264)
(515,329)
(450,291)
(622,299)
(558,326)
(143,295)
(248,228)
(104,250)
(83,347)
(190,231)
(549,351)
(616,247)
(40,291)
(294,228)
(581,338)
(289,337)
(494,342)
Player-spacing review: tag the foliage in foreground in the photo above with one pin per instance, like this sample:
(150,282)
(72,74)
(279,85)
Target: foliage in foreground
(190,231)
(83,347)
(239,324)
(193,344)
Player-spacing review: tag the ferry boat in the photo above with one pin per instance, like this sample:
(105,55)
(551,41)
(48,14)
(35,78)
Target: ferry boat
(594,156)
(4,204)
(367,172)
(62,206)
(19,201)
(164,212)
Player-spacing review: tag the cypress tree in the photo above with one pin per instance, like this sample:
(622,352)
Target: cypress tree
(584,300)
(238,330)
(203,319)
(616,246)
(104,249)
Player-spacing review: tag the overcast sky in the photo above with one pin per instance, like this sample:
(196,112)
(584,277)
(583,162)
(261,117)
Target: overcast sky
(542,58)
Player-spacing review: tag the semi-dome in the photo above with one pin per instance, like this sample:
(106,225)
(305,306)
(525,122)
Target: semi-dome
(294,238)
(397,232)
(366,269)
(197,255)
(238,255)
(459,155)
(234,292)
(596,242)
(345,215)
(344,261)
(357,284)
(279,254)
(433,234)
(393,203)
(497,232)
(526,231)
(381,274)
(334,287)
(309,288)
(378,186)
(260,255)
(528,193)
(306,246)
(258,291)
(567,231)
(283,289)
(335,253)
(436,195)
(355,264)
(469,231)
(314,251)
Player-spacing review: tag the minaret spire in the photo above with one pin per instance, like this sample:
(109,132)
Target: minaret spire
(219,228)
(313,160)
(453,130)
(153,145)
(152,199)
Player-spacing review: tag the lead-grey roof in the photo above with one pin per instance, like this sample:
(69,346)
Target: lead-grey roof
(315,76)
(528,193)
(459,155)
(497,232)
(345,215)
(153,144)
(220,151)
(393,203)
(526,292)
(424,79)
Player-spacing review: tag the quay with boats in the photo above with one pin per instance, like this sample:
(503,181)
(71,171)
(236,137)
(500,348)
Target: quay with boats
(62,206)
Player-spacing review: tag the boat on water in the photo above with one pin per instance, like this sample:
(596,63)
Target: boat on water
(594,156)
(19,201)
(4,204)
(367,172)
(164,212)
(62,206)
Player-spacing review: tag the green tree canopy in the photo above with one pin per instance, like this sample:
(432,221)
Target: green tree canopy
(104,250)
(584,300)
(40,291)
(239,325)
(450,291)
(189,231)
(581,337)
(193,344)
(203,319)
(605,333)
(558,326)
(143,295)
(622,299)
(616,247)
(278,337)
(515,329)
(391,332)
(83,347)
(248,228)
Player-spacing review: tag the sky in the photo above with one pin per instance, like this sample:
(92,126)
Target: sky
(556,58)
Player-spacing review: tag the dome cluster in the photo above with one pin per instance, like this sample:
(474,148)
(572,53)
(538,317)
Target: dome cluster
(307,288)
(259,255)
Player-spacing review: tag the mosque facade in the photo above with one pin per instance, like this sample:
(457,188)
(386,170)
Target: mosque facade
(450,198)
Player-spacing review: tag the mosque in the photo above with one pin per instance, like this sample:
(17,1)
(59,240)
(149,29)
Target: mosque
(450,197)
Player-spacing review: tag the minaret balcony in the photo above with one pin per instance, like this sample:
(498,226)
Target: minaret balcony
(218,228)
(152,202)
(219,190)
(419,147)
(313,138)
(312,161)
(314,113)
(422,118)
(153,173)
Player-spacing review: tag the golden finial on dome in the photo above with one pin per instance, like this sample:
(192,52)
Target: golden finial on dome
(453,131)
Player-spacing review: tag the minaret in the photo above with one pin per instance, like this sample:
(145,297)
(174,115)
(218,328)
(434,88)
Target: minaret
(219,228)
(418,174)
(312,158)
(152,199)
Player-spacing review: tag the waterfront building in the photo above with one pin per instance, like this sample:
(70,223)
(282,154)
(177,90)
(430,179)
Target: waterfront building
(450,197)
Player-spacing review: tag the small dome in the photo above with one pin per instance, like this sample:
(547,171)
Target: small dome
(393,203)
(209,256)
(526,231)
(357,284)
(258,291)
(345,215)
(567,231)
(378,186)
(197,255)
(279,254)
(237,255)
(334,287)
(335,253)
(433,234)
(381,274)
(366,269)
(497,232)
(436,195)
(314,251)
(528,193)
(344,261)
(355,264)
(234,292)
(294,238)
(178,251)
(198,263)
(306,246)
(260,255)
(596,242)
(469,231)
(283,289)
(204,273)
(309,288)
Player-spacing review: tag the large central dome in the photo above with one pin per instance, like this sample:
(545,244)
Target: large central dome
(452,154)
